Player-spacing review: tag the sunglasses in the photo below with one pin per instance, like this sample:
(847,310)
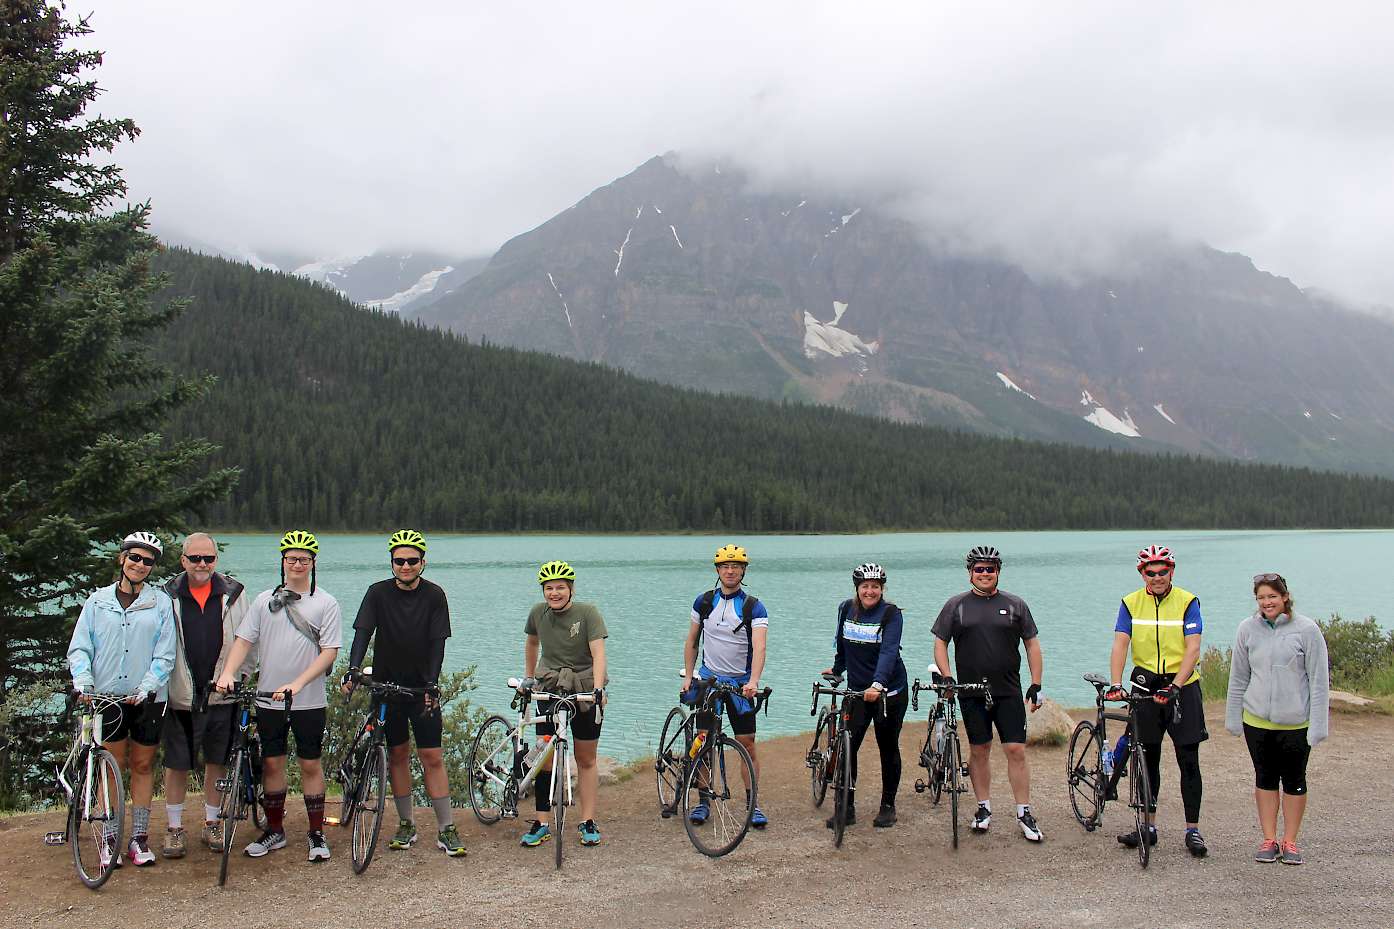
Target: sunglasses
(201,559)
(298,559)
(140,559)
(1162,573)
(411,562)
(1260,578)
(984,569)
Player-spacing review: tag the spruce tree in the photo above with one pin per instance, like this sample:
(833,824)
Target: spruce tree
(82,462)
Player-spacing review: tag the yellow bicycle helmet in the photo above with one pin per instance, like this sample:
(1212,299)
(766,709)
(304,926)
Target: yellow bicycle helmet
(299,538)
(407,537)
(556,571)
(727,553)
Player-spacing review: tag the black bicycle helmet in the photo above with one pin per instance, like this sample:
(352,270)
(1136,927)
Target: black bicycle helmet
(984,553)
(871,571)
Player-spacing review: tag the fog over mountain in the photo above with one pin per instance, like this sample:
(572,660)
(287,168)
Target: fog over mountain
(1054,138)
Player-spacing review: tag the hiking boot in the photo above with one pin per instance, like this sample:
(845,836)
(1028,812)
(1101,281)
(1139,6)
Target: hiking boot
(175,845)
(982,820)
(1292,854)
(447,840)
(590,832)
(213,835)
(535,836)
(270,840)
(319,848)
(405,836)
(1195,844)
(886,817)
(1029,829)
(1267,852)
(851,818)
(1130,838)
(139,851)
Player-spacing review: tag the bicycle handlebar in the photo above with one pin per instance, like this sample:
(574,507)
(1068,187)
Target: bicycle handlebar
(361,679)
(946,691)
(245,694)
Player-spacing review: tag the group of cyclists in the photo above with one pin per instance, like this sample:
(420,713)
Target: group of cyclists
(180,649)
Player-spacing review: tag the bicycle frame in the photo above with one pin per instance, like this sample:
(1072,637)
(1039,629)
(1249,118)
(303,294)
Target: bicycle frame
(86,739)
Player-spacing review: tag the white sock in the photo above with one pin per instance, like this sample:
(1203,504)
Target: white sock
(174,812)
(1021,809)
(986,805)
(210,813)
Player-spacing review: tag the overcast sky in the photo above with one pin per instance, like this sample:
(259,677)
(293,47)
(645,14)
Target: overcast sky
(1045,135)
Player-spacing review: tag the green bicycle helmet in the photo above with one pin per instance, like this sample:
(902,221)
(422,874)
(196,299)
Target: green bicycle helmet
(299,538)
(407,537)
(556,571)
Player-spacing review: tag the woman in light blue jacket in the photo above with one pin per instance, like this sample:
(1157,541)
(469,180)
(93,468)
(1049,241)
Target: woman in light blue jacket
(1278,697)
(123,643)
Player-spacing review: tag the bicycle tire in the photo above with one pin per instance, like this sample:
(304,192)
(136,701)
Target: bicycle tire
(818,757)
(936,763)
(842,786)
(368,803)
(674,741)
(728,819)
(231,809)
(87,831)
(953,770)
(1139,797)
(490,769)
(559,784)
(1084,775)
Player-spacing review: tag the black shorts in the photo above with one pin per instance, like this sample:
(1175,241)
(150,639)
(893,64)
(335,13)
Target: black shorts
(140,722)
(308,726)
(190,738)
(1185,725)
(1280,756)
(585,727)
(1008,714)
(425,724)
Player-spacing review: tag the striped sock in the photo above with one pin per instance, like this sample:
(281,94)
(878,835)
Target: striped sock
(314,811)
(140,821)
(275,805)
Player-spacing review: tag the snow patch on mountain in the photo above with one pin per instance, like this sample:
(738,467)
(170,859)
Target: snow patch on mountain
(1101,417)
(1011,385)
(830,339)
(619,252)
(1158,408)
(424,285)
(848,218)
(675,235)
(564,308)
(327,270)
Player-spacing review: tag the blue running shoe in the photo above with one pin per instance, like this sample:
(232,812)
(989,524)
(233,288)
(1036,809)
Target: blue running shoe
(590,833)
(535,836)
(698,814)
(758,819)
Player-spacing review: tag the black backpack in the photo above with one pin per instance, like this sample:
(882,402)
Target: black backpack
(707,602)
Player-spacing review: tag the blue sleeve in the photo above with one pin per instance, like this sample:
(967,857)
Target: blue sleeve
(890,648)
(1191,624)
(839,659)
(162,663)
(1125,620)
(81,649)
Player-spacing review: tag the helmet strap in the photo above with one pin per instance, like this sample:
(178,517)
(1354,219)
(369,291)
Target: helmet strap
(131,587)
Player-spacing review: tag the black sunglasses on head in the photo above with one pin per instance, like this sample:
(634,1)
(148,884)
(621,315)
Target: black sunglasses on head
(140,559)
(201,559)
(413,562)
(1260,578)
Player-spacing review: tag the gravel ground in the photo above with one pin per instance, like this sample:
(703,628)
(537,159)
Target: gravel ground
(646,873)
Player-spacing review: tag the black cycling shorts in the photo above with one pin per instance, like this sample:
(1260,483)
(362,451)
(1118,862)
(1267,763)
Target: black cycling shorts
(1008,714)
(425,724)
(140,722)
(585,727)
(1280,756)
(308,726)
(190,738)
(1186,726)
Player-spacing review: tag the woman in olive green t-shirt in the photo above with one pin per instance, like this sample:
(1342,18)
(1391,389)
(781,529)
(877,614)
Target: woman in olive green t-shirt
(565,651)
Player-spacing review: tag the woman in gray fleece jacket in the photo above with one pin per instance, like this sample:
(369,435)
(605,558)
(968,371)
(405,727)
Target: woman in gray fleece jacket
(1278,686)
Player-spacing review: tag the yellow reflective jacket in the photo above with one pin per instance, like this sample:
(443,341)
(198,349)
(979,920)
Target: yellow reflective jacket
(1159,629)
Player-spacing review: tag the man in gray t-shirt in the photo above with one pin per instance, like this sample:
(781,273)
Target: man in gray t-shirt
(295,630)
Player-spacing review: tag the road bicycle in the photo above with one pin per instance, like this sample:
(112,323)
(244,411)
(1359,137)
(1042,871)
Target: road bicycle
(693,764)
(91,782)
(501,769)
(829,759)
(1092,783)
(942,753)
(241,786)
(363,773)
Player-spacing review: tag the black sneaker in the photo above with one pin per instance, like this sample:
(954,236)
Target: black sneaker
(886,817)
(1130,838)
(982,819)
(1029,829)
(1195,844)
(851,818)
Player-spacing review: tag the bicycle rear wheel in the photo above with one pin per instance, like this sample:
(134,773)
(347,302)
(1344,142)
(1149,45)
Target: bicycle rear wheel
(717,777)
(842,786)
(233,800)
(97,810)
(1084,774)
(673,744)
(560,779)
(1139,798)
(490,769)
(819,755)
(368,802)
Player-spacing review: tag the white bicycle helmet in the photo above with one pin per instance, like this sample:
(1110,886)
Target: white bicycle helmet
(871,571)
(143,540)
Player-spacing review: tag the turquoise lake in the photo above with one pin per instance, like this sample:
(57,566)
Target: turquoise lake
(645,585)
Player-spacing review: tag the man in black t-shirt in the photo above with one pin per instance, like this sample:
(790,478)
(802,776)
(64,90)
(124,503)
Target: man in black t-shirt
(411,620)
(988,627)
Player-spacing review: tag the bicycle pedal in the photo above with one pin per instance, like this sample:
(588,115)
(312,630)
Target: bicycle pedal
(510,814)
(920,786)
(223,784)
(55,838)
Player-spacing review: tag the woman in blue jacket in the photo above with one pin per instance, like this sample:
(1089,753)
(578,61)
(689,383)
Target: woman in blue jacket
(868,649)
(123,643)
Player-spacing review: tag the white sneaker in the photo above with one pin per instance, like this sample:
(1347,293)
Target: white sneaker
(319,848)
(139,851)
(1029,828)
(270,841)
(982,819)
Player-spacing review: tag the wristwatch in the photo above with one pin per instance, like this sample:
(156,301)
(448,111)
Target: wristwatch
(878,686)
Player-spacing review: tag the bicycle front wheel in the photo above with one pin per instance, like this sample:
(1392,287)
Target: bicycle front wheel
(673,744)
(842,786)
(935,755)
(1139,798)
(953,777)
(490,769)
(96,819)
(560,781)
(818,757)
(231,810)
(368,802)
(1084,774)
(718,777)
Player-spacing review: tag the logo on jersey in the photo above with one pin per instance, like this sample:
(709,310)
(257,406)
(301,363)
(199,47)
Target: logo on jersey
(575,629)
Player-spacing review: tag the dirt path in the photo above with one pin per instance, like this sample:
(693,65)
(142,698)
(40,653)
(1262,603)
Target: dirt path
(647,874)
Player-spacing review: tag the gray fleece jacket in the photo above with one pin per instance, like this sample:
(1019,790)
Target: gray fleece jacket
(1279,673)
